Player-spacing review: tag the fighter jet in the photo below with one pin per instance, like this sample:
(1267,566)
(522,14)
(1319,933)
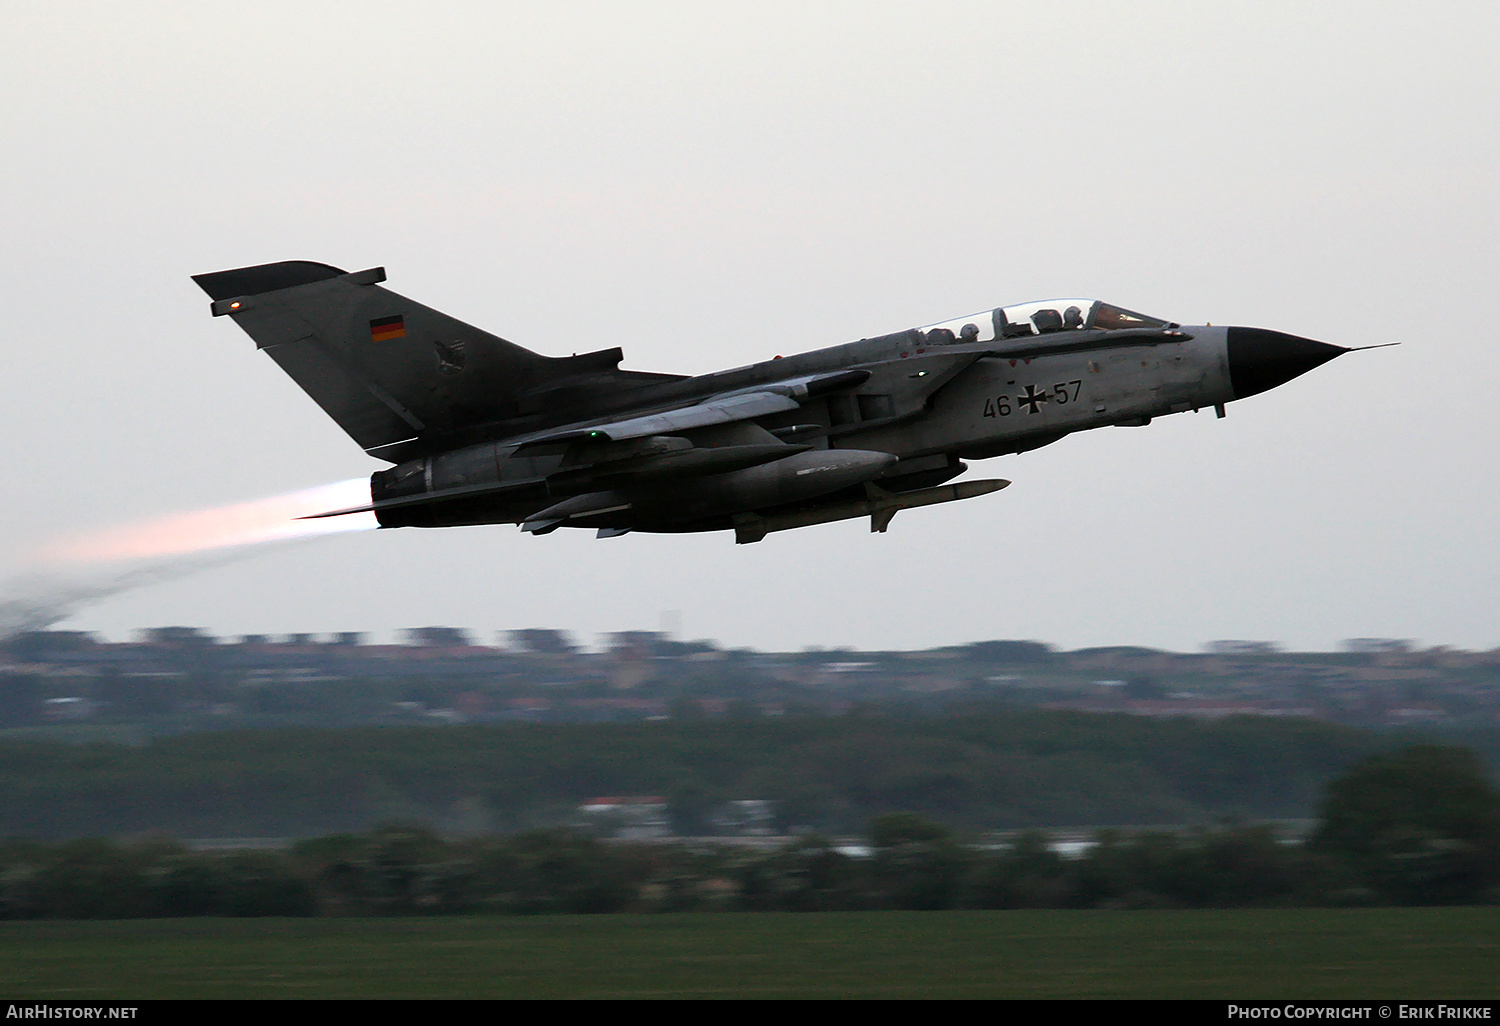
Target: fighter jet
(482,431)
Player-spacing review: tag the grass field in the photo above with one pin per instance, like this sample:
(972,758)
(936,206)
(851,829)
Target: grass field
(1362,953)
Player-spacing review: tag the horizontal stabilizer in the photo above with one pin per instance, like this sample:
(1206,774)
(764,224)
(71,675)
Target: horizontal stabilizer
(253,281)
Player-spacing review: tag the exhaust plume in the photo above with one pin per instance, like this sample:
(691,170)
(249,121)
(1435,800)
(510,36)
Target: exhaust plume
(71,572)
(35,601)
(223,527)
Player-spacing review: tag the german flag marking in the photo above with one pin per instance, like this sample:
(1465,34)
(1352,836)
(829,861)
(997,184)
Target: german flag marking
(388,329)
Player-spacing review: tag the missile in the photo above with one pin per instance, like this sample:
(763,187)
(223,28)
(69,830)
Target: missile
(591,504)
(879,505)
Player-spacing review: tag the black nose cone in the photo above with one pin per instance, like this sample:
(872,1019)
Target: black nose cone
(1261,359)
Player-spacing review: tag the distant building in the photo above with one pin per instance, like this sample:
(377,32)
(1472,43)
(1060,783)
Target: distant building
(1244,647)
(1010,652)
(745,818)
(632,818)
(72,708)
(45,646)
(438,637)
(541,641)
(1417,714)
(1191,708)
(177,637)
(1373,646)
(636,644)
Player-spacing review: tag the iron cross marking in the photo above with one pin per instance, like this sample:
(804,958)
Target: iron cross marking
(1032,400)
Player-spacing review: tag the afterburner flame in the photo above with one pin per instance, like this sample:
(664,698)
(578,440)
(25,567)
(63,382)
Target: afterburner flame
(245,523)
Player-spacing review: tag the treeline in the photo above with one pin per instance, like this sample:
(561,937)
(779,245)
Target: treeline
(1417,827)
(411,871)
(990,769)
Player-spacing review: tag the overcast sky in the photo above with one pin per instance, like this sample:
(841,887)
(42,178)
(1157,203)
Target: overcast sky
(706,185)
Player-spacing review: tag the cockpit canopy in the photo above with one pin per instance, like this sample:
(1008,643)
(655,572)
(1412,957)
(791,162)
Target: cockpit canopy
(1041,318)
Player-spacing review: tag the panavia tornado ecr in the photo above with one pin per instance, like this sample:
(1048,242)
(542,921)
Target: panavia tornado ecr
(482,431)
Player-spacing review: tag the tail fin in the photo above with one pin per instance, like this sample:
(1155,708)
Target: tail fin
(396,375)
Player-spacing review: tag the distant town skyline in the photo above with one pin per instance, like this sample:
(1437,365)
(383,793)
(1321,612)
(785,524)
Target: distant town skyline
(510,639)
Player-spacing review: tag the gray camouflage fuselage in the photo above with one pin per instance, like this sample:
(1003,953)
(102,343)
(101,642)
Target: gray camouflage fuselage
(482,431)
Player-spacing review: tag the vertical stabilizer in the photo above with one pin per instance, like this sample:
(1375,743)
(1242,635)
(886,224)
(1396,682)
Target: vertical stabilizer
(392,372)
